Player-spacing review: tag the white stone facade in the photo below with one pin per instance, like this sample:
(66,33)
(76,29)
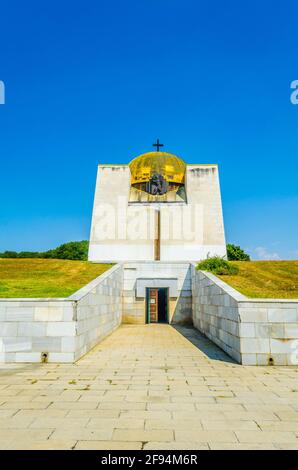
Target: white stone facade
(175,276)
(125,231)
(252,331)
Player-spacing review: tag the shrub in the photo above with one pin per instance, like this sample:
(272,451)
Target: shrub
(235,253)
(218,265)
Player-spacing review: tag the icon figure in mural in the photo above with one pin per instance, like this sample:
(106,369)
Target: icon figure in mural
(157,186)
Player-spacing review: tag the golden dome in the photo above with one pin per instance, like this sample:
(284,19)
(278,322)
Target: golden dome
(171,167)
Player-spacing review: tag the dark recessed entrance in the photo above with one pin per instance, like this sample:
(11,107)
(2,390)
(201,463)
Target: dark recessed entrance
(157,305)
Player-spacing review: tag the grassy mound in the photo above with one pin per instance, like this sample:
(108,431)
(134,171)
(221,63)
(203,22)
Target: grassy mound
(45,277)
(265,279)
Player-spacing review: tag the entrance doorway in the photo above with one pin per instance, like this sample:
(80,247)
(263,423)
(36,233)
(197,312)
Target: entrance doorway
(157,305)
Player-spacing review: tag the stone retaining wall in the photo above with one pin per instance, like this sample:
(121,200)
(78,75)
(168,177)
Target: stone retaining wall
(215,311)
(252,331)
(64,329)
(98,309)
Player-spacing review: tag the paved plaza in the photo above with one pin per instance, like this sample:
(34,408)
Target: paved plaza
(149,387)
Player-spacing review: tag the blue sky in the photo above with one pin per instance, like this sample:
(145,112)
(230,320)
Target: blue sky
(98,81)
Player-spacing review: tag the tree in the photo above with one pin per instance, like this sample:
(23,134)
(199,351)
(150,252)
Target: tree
(9,254)
(235,253)
(71,250)
(29,254)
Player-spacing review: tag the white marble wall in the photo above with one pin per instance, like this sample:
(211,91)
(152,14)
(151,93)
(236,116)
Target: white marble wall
(180,306)
(215,312)
(64,328)
(29,327)
(269,331)
(252,331)
(99,309)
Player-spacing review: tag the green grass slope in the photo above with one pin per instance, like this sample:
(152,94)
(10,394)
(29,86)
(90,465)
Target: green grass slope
(265,279)
(45,277)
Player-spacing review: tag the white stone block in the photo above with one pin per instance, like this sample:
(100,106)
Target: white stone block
(262,330)
(128,284)
(292,358)
(68,313)
(61,329)
(41,314)
(251,315)
(56,313)
(247,330)
(291,330)
(255,345)
(2,314)
(263,359)
(282,315)
(32,329)
(16,344)
(9,304)
(8,329)
(277,330)
(19,314)
(283,346)
(46,344)
(28,357)
(249,359)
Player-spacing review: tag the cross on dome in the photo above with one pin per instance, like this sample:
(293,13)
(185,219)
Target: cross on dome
(157,145)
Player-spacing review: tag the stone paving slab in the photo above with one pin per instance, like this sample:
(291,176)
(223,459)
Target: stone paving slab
(149,387)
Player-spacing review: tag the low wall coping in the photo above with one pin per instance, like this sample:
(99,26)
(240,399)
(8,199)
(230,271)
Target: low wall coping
(36,299)
(79,294)
(157,262)
(240,298)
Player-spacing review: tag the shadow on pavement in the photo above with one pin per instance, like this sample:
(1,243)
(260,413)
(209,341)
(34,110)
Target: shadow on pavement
(203,343)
